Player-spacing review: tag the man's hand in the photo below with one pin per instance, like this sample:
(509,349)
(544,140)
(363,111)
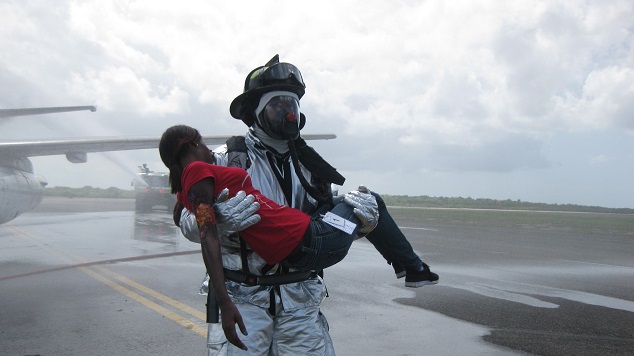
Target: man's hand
(235,214)
(365,208)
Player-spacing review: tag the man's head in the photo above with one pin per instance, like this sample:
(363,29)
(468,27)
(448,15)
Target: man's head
(283,78)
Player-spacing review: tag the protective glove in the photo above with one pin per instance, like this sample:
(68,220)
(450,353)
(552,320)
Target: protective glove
(235,214)
(188,225)
(365,209)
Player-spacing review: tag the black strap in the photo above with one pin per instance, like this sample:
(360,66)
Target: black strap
(244,254)
(272,308)
(321,197)
(266,268)
(269,279)
(213,310)
(316,164)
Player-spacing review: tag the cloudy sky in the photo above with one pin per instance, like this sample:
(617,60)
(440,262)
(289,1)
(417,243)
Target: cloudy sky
(520,100)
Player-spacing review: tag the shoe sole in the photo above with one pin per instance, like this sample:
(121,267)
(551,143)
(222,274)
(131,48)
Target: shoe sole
(420,284)
(401,274)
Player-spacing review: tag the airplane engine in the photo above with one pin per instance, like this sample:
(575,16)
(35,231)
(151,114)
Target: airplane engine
(21,191)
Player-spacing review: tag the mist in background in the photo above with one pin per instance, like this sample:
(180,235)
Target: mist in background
(530,101)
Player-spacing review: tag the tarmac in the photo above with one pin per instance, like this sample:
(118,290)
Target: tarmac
(91,276)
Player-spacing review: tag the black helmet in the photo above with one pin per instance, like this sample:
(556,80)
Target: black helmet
(273,76)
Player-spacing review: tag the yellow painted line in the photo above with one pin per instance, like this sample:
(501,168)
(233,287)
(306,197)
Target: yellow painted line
(70,258)
(202,331)
(176,304)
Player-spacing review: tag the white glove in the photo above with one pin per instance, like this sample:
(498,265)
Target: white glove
(235,214)
(365,208)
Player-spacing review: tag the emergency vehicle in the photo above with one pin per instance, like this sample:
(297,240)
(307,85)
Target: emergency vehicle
(152,189)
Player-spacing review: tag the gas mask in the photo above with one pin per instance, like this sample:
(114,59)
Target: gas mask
(278,115)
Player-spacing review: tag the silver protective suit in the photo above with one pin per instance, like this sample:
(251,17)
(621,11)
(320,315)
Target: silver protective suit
(299,327)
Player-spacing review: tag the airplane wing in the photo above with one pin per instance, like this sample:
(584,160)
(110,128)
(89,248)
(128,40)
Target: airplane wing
(76,149)
(4,113)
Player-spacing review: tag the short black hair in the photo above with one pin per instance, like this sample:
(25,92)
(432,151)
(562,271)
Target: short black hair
(173,140)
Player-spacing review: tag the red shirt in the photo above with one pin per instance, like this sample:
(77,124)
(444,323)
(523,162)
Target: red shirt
(281,228)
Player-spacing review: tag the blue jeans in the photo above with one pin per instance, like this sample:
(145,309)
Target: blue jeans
(388,239)
(324,245)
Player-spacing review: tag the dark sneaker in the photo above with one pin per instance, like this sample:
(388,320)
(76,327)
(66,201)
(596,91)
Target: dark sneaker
(398,270)
(421,278)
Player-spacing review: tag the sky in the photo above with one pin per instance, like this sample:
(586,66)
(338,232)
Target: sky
(519,100)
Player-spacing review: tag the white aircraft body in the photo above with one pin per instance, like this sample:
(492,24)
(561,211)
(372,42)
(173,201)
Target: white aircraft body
(21,189)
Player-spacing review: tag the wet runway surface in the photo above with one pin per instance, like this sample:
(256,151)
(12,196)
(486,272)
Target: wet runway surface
(539,290)
(78,278)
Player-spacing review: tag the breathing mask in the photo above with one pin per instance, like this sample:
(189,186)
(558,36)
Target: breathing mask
(278,115)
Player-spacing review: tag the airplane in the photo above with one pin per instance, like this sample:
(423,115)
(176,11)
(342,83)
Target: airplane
(21,190)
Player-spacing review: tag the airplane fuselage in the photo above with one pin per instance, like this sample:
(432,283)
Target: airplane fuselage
(20,189)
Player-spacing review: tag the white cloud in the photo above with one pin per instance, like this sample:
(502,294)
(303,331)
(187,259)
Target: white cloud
(461,86)
(598,159)
(122,89)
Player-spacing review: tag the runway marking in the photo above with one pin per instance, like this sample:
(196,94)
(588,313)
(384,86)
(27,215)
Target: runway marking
(528,294)
(115,260)
(176,304)
(417,228)
(594,263)
(550,333)
(87,267)
(188,324)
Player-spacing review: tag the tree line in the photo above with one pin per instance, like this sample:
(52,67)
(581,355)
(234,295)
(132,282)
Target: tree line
(423,201)
(89,192)
(508,204)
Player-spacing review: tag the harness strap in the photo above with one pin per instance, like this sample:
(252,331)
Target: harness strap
(244,254)
(268,280)
(213,310)
(274,280)
(272,308)
(266,268)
